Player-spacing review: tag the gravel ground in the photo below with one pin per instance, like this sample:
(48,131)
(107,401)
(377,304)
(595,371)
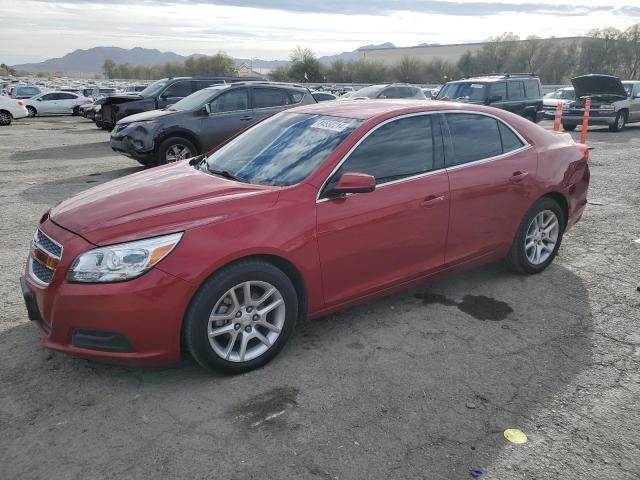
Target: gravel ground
(419,385)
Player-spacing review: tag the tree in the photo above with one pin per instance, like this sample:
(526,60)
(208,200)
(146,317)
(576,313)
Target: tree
(409,70)
(304,66)
(340,72)
(108,68)
(280,74)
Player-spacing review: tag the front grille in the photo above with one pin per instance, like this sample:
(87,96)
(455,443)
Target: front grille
(48,245)
(45,255)
(41,272)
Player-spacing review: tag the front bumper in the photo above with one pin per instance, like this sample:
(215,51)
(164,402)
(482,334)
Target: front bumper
(138,321)
(595,118)
(125,146)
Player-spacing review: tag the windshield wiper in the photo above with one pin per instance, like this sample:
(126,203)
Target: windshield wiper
(226,174)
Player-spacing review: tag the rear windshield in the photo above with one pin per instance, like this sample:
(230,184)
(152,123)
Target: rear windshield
(471,91)
(282,150)
(27,91)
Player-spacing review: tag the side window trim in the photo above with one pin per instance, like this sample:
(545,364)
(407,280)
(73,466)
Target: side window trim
(450,155)
(439,157)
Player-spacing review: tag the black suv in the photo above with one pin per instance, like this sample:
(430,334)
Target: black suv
(202,120)
(519,93)
(159,94)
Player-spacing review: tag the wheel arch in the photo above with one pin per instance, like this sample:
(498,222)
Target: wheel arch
(187,135)
(285,265)
(561,200)
(7,111)
(33,108)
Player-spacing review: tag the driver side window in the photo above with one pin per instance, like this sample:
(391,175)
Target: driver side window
(232,101)
(398,149)
(178,90)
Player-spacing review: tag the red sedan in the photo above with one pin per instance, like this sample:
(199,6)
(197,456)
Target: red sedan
(312,210)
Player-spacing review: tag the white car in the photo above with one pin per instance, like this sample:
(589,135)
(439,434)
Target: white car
(551,100)
(55,102)
(10,109)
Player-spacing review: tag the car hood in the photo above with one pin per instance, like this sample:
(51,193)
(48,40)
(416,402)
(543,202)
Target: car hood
(598,85)
(156,202)
(146,116)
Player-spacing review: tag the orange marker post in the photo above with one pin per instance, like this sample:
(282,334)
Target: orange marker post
(585,120)
(558,118)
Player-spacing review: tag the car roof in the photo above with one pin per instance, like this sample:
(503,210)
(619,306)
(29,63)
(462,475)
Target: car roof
(368,109)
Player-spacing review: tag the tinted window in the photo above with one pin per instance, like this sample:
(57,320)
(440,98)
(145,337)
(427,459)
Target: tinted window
(499,89)
(296,97)
(532,88)
(391,92)
(471,91)
(510,141)
(269,97)
(49,96)
(178,89)
(66,96)
(474,137)
(515,90)
(398,149)
(235,100)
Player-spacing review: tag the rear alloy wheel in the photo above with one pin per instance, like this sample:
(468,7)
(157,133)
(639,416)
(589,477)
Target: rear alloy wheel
(241,317)
(619,123)
(5,118)
(175,149)
(31,112)
(538,238)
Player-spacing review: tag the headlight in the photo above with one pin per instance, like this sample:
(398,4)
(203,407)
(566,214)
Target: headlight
(118,263)
(606,107)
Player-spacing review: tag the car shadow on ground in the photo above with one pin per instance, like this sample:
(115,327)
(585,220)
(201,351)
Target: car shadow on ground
(416,385)
(57,190)
(81,151)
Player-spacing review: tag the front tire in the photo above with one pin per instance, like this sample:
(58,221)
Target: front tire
(31,112)
(619,123)
(5,118)
(538,238)
(175,149)
(241,317)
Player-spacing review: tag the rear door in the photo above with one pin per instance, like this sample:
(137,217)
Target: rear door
(396,233)
(491,171)
(230,113)
(66,102)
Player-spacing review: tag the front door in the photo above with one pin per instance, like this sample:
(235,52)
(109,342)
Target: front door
(491,170)
(229,113)
(396,233)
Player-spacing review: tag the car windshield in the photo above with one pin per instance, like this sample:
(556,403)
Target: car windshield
(27,90)
(628,87)
(370,92)
(154,88)
(282,150)
(195,100)
(564,94)
(471,91)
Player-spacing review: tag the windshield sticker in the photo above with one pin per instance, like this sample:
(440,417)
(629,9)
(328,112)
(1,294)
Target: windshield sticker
(331,125)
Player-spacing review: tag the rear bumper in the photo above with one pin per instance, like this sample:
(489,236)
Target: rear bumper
(19,113)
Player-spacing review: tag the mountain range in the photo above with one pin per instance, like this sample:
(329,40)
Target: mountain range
(92,59)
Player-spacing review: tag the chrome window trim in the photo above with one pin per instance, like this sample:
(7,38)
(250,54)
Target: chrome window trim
(526,145)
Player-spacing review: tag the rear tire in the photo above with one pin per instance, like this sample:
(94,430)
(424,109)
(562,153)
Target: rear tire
(620,122)
(31,112)
(5,118)
(175,149)
(240,332)
(568,128)
(532,249)
(75,112)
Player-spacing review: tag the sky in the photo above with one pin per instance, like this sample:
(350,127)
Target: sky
(35,30)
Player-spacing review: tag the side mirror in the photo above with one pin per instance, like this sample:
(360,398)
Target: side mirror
(354,183)
(494,98)
(39,99)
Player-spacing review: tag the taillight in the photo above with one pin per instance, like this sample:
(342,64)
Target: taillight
(21,103)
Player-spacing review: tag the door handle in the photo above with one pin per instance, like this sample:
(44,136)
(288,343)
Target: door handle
(518,176)
(431,201)
(246,118)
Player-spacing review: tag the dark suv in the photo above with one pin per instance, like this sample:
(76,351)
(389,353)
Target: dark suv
(159,94)
(519,93)
(202,120)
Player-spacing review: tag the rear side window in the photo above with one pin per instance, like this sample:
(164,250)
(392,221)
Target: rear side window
(474,137)
(49,96)
(269,97)
(66,96)
(499,89)
(510,140)
(401,148)
(532,89)
(515,90)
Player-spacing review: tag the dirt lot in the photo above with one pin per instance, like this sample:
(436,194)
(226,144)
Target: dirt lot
(419,385)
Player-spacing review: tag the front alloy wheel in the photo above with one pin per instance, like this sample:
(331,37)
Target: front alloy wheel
(178,152)
(241,317)
(246,321)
